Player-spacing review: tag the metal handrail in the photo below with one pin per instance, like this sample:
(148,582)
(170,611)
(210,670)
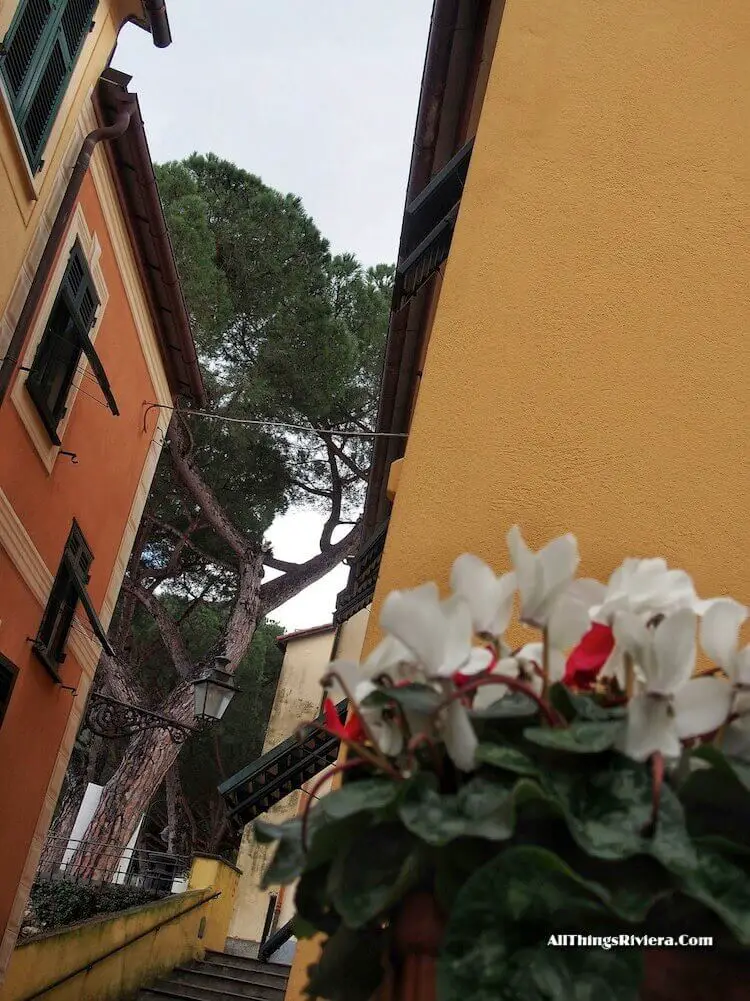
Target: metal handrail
(275,941)
(118,948)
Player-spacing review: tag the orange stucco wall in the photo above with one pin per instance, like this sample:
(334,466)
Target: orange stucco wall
(98,491)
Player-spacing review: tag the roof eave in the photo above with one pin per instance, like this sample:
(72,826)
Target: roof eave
(133,173)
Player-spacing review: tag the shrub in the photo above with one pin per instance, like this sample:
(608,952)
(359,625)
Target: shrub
(56,903)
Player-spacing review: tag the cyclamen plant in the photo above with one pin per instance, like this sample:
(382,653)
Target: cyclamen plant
(586,782)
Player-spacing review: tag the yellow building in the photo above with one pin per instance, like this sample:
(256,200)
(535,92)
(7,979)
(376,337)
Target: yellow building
(568,346)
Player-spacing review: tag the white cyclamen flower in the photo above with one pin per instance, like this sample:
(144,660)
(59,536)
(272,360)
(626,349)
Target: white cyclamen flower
(672,706)
(720,638)
(543,576)
(526,665)
(647,589)
(489,598)
(458,736)
(438,633)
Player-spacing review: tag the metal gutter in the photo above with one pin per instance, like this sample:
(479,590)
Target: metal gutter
(156,12)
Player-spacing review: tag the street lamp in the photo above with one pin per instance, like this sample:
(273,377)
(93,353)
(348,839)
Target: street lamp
(213,692)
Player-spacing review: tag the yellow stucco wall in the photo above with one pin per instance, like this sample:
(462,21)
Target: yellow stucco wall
(193,929)
(588,367)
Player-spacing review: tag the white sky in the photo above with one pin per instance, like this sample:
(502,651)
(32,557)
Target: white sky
(317,98)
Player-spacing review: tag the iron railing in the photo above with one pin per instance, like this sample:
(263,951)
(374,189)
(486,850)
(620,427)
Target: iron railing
(274,942)
(97,862)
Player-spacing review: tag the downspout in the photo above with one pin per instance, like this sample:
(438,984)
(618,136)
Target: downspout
(157,17)
(59,227)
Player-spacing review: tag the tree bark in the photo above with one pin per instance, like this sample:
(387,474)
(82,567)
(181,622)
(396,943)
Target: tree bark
(148,757)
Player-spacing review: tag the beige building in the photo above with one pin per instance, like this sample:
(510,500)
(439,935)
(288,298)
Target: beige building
(276,781)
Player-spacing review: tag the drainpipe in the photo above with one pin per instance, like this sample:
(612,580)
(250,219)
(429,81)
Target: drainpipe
(157,16)
(59,226)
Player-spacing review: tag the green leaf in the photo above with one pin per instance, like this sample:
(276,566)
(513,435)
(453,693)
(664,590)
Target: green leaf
(373,872)
(579,737)
(364,795)
(312,902)
(266,832)
(481,809)
(739,769)
(606,808)
(584,707)
(506,757)
(349,968)
(324,840)
(414,698)
(495,947)
(514,705)
(722,886)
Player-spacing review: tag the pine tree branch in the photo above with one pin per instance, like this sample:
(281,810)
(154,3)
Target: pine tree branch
(269,560)
(334,517)
(360,474)
(168,629)
(202,493)
(275,592)
(216,560)
(310,489)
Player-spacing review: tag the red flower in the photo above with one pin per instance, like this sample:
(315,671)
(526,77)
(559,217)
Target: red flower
(351,730)
(459,679)
(589,657)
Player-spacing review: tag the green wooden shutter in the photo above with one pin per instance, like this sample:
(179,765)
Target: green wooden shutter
(79,285)
(40,52)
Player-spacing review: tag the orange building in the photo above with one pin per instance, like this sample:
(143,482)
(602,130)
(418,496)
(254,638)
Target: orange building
(93,330)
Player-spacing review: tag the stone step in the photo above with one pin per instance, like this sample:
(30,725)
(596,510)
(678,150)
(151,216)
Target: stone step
(246,963)
(259,975)
(246,984)
(182,992)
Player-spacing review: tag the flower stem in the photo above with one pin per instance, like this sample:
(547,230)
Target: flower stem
(376,760)
(545,662)
(552,717)
(629,677)
(311,794)
(657,781)
(385,764)
(417,741)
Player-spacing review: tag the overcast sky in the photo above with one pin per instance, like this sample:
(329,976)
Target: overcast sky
(319,99)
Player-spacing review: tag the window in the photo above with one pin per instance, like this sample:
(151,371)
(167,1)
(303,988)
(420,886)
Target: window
(8,673)
(68,589)
(65,339)
(38,56)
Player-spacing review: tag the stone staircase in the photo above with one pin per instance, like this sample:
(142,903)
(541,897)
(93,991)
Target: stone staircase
(221,976)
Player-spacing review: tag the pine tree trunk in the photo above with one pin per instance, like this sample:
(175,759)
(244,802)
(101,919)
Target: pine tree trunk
(148,757)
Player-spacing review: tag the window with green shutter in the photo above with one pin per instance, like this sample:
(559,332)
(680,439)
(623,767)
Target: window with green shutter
(68,591)
(65,339)
(37,59)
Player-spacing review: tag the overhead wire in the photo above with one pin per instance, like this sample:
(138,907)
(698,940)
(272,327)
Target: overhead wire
(273,424)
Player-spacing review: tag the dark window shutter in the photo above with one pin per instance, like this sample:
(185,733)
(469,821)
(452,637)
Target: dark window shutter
(42,47)
(24,41)
(80,286)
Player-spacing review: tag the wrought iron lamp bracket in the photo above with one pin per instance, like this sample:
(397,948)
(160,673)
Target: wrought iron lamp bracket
(111,718)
